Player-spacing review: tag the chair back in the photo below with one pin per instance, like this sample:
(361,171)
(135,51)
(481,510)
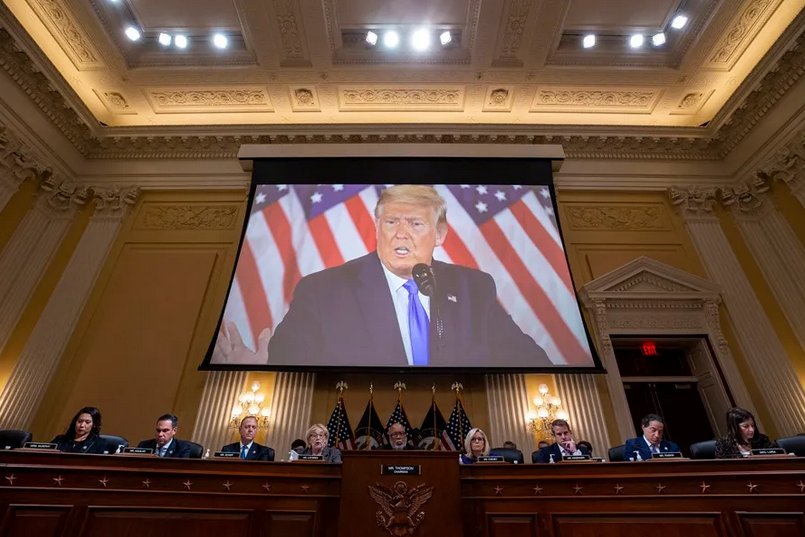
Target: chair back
(196,450)
(112,442)
(508,454)
(703,450)
(616,454)
(793,444)
(14,438)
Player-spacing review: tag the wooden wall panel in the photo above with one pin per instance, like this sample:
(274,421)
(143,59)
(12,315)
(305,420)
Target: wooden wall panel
(772,524)
(34,520)
(296,523)
(136,522)
(513,525)
(638,524)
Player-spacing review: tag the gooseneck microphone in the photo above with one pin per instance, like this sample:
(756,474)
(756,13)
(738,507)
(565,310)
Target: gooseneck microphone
(424,278)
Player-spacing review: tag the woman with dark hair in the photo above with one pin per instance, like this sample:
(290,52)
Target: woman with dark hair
(742,436)
(82,435)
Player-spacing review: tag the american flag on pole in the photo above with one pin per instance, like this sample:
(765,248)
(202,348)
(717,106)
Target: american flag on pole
(458,425)
(508,231)
(398,415)
(434,431)
(341,435)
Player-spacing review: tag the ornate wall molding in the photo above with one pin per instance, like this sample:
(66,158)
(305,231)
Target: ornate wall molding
(617,218)
(788,165)
(743,27)
(232,99)
(155,216)
(550,99)
(516,17)
(59,20)
(400,98)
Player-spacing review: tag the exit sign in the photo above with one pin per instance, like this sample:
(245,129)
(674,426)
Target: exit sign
(649,348)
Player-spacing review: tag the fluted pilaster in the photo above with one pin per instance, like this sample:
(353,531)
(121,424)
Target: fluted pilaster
(774,375)
(580,397)
(291,407)
(221,391)
(508,404)
(31,375)
(9,185)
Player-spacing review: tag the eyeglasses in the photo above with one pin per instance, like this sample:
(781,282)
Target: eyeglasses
(316,435)
(397,434)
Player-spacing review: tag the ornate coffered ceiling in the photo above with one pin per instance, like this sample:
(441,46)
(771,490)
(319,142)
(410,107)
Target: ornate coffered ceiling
(300,72)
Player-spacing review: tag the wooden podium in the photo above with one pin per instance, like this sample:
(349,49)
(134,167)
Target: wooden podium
(387,492)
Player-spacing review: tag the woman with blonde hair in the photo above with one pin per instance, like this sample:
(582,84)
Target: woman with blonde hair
(475,445)
(317,438)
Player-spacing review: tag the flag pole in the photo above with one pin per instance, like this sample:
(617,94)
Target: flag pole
(437,439)
(371,411)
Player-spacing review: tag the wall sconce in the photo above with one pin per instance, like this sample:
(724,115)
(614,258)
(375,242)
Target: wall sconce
(549,408)
(250,404)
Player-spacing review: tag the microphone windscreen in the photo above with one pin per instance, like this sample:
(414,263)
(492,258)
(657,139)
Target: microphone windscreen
(423,276)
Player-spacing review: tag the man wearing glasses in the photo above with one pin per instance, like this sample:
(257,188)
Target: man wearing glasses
(398,438)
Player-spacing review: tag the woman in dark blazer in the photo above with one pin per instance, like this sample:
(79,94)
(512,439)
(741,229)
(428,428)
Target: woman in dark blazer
(742,436)
(317,438)
(82,434)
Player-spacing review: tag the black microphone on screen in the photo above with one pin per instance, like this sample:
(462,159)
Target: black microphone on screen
(424,278)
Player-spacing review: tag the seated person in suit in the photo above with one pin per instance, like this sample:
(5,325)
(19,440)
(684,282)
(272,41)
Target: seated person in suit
(82,434)
(398,438)
(247,447)
(508,444)
(587,445)
(318,439)
(563,445)
(742,436)
(541,444)
(651,442)
(164,444)
(475,445)
(298,446)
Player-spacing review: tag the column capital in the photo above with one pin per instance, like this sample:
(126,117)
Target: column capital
(695,201)
(114,202)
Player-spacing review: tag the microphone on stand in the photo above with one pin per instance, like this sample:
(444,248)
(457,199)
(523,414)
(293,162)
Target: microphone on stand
(426,283)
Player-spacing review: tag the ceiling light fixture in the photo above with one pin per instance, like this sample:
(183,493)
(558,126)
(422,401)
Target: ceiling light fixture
(371,38)
(679,22)
(180,41)
(636,41)
(658,39)
(164,39)
(391,39)
(133,33)
(220,41)
(588,41)
(420,39)
(445,38)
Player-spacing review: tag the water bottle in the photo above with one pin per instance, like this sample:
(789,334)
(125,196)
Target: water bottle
(207,454)
(293,455)
(551,461)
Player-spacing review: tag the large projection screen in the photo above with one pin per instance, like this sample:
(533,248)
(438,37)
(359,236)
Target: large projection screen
(319,281)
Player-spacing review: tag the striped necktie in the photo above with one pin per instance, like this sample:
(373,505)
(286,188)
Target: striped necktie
(244,450)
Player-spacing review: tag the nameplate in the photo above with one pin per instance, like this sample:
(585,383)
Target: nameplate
(667,455)
(400,469)
(576,458)
(308,457)
(41,445)
(491,458)
(769,451)
(138,450)
(226,454)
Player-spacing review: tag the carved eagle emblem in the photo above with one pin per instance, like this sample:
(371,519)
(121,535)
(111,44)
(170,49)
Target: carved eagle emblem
(400,514)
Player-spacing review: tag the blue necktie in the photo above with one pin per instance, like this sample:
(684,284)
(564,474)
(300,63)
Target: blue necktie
(418,325)
(244,450)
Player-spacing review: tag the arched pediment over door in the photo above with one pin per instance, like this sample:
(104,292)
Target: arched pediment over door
(648,298)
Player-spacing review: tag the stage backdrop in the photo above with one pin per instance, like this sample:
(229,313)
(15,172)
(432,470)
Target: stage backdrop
(308,215)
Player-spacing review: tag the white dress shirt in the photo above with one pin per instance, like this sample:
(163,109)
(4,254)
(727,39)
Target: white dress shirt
(399,295)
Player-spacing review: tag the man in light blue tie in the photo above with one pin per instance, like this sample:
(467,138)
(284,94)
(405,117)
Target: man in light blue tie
(247,447)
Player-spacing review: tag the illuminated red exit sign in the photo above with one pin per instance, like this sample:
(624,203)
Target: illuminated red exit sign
(649,348)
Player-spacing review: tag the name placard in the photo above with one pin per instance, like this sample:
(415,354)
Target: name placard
(576,458)
(226,454)
(44,446)
(309,457)
(400,469)
(769,451)
(491,458)
(138,451)
(667,455)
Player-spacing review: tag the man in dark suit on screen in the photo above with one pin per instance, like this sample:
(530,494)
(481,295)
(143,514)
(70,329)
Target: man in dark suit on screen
(247,447)
(370,311)
(164,443)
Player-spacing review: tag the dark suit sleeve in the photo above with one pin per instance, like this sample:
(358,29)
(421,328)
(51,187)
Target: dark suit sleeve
(265,454)
(230,448)
(629,448)
(145,444)
(335,456)
(182,450)
(296,340)
(543,456)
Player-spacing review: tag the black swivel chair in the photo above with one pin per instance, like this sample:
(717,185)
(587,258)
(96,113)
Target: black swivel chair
(793,444)
(113,442)
(13,438)
(616,454)
(196,450)
(509,455)
(703,450)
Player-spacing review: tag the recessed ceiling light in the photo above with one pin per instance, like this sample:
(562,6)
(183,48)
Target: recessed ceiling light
(420,39)
(636,41)
(445,38)
(588,41)
(133,33)
(658,39)
(679,22)
(371,38)
(180,41)
(220,41)
(164,39)
(391,39)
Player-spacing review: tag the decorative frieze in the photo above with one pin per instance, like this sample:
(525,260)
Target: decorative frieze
(61,23)
(577,99)
(617,218)
(401,98)
(159,216)
(747,22)
(182,100)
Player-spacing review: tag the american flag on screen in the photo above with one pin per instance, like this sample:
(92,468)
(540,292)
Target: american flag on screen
(508,231)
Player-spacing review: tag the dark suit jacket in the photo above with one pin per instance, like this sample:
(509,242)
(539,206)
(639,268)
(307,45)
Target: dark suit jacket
(256,453)
(177,449)
(544,455)
(408,447)
(344,316)
(93,444)
(638,444)
(329,454)
(726,448)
